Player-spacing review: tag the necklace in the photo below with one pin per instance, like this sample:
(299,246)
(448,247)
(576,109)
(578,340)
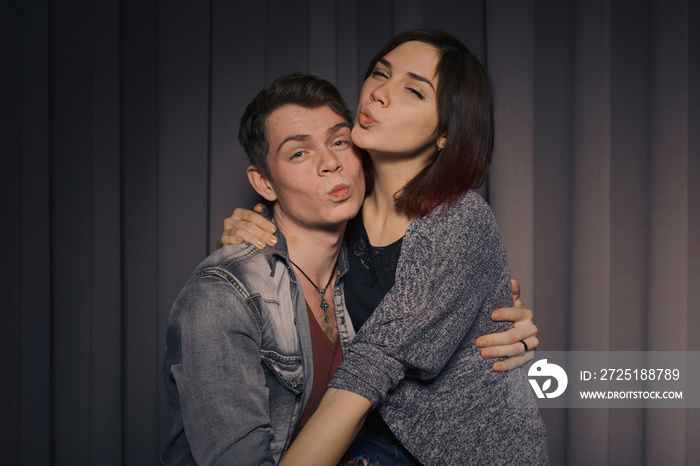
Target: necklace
(321,291)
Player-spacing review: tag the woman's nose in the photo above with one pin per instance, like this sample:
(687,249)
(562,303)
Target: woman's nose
(379,94)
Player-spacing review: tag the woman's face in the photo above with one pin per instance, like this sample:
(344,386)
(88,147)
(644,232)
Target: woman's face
(397,114)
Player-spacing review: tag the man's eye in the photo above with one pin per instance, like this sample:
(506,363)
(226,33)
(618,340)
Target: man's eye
(340,143)
(296,155)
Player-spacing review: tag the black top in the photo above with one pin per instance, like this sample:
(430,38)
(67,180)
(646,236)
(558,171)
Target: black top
(371,273)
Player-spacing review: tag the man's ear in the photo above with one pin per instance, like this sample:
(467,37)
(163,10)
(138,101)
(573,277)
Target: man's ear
(261,184)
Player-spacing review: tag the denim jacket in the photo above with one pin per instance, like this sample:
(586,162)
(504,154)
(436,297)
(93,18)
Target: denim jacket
(238,366)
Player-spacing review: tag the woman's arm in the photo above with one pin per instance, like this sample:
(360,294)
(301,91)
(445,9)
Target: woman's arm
(330,431)
(251,227)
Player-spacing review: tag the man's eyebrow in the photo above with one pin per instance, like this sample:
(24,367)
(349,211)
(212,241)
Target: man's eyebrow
(297,137)
(415,76)
(338,127)
(305,137)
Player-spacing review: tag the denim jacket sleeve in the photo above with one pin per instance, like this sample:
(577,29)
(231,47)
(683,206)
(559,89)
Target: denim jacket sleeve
(449,261)
(220,340)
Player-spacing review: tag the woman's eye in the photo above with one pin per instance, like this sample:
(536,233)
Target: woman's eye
(380,74)
(416,92)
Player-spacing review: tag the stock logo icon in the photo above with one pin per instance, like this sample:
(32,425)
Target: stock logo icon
(547,371)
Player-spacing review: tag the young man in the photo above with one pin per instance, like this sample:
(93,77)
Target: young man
(239,370)
(255,336)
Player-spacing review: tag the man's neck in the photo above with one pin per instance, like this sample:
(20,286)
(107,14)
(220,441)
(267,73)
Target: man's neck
(315,251)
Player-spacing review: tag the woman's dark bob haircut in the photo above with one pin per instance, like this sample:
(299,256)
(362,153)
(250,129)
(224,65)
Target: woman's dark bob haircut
(465,118)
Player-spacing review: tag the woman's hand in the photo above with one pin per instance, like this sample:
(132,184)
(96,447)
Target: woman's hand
(510,342)
(249,226)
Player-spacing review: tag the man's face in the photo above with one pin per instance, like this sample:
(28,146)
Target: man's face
(315,171)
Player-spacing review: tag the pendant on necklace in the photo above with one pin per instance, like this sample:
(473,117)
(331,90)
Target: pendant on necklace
(324,306)
(321,291)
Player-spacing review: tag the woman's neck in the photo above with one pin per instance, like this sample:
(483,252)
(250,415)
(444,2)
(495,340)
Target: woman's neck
(392,173)
(384,222)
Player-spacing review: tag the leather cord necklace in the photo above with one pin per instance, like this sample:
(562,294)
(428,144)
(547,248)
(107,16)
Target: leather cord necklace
(321,291)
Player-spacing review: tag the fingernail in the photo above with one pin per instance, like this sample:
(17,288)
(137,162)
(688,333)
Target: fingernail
(478,342)
(486,354)
(496,315)
(272,240)
(260,244)
(271,228)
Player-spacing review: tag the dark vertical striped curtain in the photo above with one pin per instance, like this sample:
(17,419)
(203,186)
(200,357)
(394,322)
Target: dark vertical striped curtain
(119,160)
(594,187)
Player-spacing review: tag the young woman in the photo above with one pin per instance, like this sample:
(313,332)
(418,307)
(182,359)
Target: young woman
(427,247)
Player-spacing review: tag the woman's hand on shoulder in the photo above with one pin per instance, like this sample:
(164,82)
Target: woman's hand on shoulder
(249,226)
(518,343)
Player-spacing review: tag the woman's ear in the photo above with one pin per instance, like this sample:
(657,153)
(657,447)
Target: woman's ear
(441,142)
(261,183)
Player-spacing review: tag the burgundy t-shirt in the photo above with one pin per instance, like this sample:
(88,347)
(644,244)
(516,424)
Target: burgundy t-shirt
(327,357)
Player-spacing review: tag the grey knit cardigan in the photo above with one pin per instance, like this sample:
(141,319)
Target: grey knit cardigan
(415,357)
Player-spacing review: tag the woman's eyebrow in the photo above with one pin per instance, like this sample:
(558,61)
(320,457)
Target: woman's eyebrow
(418,77)
(415,76)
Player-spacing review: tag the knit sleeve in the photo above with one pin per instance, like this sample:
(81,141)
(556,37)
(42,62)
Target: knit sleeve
(449,261)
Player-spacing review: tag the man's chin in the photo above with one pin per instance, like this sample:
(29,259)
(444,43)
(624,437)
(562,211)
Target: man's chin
(338,220)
